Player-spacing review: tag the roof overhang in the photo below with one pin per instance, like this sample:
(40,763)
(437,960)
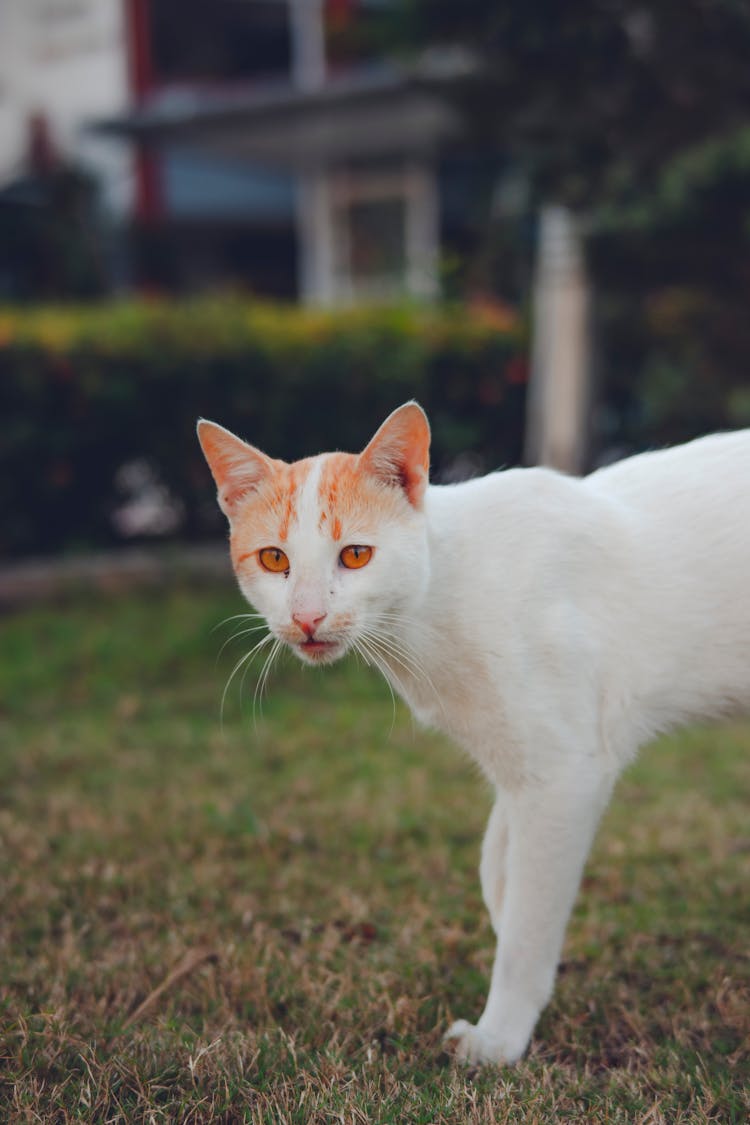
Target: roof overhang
(374,112)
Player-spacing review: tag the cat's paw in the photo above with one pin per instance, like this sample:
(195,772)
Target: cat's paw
(475,1044)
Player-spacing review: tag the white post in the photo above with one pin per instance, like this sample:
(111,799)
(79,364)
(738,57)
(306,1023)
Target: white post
(307,28)
(560,359)
(315,237)
(315,266)
(422,231)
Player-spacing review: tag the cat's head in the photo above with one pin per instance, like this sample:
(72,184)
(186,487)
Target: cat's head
(333,548)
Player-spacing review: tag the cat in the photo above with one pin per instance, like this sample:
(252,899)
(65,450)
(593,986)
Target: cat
(549,624)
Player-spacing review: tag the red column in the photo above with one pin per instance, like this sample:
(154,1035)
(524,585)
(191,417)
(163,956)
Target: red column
(149,199)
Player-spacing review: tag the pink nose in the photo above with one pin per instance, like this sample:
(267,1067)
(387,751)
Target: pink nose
(308,622)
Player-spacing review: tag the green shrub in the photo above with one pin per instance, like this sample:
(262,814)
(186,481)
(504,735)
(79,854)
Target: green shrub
(84,391)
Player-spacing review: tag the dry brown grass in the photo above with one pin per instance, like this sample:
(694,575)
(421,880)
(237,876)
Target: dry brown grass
(277,925)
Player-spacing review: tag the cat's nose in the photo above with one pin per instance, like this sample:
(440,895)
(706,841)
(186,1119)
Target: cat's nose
(308,622)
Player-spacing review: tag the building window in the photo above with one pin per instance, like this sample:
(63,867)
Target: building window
(384,229)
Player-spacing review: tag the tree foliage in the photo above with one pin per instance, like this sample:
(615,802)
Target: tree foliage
(592,96)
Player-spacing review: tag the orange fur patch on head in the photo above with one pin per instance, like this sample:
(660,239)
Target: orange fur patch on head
(267,517)
(289,510)
(355,493)
(283,502)
(338,483)
(352,501)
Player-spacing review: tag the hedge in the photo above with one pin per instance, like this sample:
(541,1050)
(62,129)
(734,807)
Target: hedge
(86,391)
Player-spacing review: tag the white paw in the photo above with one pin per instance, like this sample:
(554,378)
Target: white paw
(475,1044)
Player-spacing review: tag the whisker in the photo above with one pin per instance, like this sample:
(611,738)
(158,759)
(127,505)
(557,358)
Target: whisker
(368,655)
(415,625)
(396,646)
(386,620)
(244,677)
(243,660)
(263,678)
(237,617)
(397,650)
(378,647)
(385,617)
(361,654)
(236,636)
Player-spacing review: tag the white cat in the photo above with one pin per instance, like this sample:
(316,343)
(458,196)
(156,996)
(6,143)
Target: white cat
(550,625)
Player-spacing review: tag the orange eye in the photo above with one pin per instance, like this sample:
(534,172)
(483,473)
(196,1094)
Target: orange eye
(355,557)
(273,559)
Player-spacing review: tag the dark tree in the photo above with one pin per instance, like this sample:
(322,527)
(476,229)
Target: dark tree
(593,96)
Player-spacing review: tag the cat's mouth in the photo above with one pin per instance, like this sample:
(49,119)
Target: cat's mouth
(316,651)
(323,647)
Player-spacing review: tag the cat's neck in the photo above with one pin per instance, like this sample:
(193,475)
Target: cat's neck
(433,663)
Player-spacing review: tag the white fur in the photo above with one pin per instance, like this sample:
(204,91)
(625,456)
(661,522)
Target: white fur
(603,611)
(551,626)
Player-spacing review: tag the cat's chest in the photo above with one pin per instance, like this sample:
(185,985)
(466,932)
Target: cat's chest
(447,694)
(456,693)
(460,692)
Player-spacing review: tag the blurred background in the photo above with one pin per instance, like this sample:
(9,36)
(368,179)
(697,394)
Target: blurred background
(292,215)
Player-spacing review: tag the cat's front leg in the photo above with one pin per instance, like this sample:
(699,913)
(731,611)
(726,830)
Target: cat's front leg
(549,833)
(492,863)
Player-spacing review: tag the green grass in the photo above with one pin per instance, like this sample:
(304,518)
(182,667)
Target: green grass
(309,882)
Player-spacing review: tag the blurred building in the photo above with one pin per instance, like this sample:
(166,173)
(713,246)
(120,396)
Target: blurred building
(277,148)
(269,145)
(263,143)
(61,61)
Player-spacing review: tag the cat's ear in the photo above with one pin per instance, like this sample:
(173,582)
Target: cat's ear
(399,454)
(237,467)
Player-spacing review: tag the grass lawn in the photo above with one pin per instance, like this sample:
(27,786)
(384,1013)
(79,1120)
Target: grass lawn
(275,920)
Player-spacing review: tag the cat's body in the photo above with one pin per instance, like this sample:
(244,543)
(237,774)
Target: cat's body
(549,625)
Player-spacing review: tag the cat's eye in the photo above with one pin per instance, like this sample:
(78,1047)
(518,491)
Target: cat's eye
(355,557)
(273,559)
